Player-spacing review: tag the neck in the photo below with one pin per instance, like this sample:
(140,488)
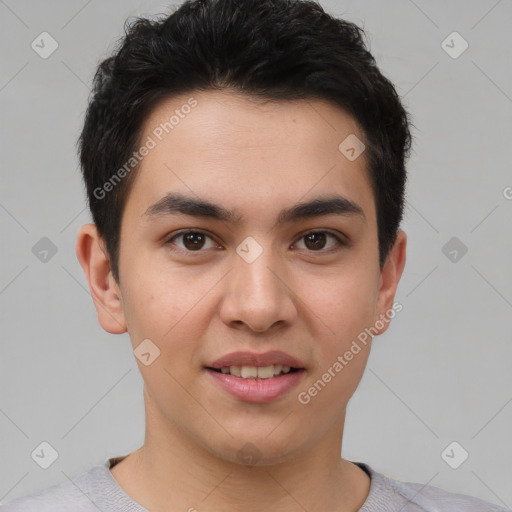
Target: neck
(171,468)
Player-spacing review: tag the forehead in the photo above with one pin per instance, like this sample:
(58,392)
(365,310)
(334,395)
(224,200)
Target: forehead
(235,148)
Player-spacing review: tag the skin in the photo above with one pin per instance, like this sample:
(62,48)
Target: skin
(256,159)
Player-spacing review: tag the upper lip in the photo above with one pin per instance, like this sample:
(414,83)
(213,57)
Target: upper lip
(273,357)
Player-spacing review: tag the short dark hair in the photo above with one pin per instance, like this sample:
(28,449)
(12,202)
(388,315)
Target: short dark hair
(268,49)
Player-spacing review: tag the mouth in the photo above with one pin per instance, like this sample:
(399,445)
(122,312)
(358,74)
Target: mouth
(254,377)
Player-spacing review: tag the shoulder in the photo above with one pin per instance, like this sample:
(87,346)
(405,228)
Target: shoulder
(389,494)
(434,498)
(63,497)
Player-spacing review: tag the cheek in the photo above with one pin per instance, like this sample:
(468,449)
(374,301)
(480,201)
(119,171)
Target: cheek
(344,302)
(173,325)
(169,309)
(332,388)
(344,306)
(343,351)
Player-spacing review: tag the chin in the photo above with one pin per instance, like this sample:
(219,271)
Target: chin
(258,452)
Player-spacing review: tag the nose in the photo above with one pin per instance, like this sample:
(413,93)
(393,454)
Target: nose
(258,295)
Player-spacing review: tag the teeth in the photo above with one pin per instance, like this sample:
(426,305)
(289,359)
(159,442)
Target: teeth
(235,370)
(265,372)
(249,371)
(256,372)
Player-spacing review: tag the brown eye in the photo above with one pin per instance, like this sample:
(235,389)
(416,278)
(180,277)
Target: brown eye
(193,241)
(316,241)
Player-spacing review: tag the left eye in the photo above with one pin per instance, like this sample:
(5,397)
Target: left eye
(316,240)
(195,241)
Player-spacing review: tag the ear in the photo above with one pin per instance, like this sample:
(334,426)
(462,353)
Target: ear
(106,294)
(389,278)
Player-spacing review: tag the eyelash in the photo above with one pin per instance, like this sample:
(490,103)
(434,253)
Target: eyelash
(340,242)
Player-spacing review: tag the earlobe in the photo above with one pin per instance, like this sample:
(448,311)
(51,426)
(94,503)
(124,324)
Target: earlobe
(106,295)
(390,277)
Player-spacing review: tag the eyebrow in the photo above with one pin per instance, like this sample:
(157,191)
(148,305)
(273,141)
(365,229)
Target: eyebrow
(175,203)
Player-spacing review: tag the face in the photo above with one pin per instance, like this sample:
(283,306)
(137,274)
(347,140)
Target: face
(261,269)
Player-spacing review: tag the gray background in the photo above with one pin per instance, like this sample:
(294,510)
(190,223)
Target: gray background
(441,373)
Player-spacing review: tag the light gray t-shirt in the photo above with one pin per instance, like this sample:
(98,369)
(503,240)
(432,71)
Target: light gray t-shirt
(96,490)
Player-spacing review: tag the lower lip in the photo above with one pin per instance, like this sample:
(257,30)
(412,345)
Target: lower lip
(257,391)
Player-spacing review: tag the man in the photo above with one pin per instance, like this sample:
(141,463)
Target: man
(245,169)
